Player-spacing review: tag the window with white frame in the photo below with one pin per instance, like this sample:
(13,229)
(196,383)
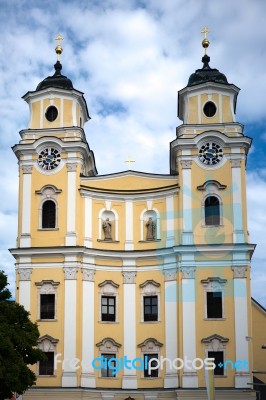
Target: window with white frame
(108,300)
(214,297)
(48,345)
(48,209)
(47,300)
(150,349)
(212,203)
(215,347)
(150,301)
(108,350)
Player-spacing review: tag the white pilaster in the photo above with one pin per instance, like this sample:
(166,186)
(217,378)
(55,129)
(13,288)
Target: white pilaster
(129,245)
(171,332)
(71,205)
(170,229)
(88,376)
(129,380)
(187,235)
(24,287)
(88,222)
(25,240)
(242,375)
(190,378)
(69,378)
(237,201)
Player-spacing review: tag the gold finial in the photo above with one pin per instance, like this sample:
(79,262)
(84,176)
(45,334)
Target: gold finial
(205,42)
(129,161)
(59,48)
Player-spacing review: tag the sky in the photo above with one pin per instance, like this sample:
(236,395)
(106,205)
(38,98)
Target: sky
(130,58)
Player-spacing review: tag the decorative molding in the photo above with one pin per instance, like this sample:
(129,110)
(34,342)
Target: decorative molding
(70,272)
(108,344)
(149,282)
(149,344)
(214,283)
(24,274)
(215,342)
(210,184)
(88,274)
(109,282)
(27,169)
(186,164)
(129,276)
(169,275)
(236,163)
(48,190)
(47,343)
(71,167)
(239,272)
(188,272)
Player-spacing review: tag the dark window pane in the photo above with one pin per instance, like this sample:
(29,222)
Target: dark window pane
(214,305)
(46,367)
(48,214)
(51,113)
(47,306)
(212,211)
(209,109)
(150,308)
(154,372)
(108,308)
(218,360)
(108,372)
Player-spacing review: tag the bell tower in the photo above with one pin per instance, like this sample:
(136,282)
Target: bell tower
(52,153)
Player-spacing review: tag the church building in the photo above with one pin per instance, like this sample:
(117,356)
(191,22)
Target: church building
(136,279)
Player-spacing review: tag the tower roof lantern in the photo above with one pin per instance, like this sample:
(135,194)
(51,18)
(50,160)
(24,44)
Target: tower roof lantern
(206,73)
(57,80)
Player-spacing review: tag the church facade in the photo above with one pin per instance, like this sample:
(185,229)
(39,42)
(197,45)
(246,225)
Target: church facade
(135,279)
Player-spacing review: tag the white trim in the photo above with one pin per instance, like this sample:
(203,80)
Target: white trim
(129,380)
(241,329)
(190,378)
(26,207)
(237,205)
(171,332)
(88,373)
(150,290)
(170,221)
(41,114)
(108,290)
(24,294)
(129,244)
(71,208)
(61,112)
(88,222)
(74,112)
(69,378)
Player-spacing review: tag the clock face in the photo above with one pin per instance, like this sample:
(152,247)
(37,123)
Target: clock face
(49,159)
(210,153)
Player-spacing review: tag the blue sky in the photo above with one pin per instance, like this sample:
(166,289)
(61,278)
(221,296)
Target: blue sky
(130,58)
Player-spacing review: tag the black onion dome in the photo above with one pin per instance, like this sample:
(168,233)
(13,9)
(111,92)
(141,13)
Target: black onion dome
(206,74)
(56,81)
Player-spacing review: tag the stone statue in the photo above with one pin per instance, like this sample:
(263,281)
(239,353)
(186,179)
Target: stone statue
(151,227)
(107,229)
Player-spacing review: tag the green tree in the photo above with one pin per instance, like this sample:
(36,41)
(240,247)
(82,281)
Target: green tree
(18,341)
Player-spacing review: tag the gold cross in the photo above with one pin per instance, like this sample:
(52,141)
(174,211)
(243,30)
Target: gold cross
(205,31)
(129,161)
(59,48)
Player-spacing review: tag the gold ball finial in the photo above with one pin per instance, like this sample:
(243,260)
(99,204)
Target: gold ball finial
(59,48)
(205,42)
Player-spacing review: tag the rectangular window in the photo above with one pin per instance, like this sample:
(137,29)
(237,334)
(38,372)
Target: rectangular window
(108,308)
(214,305)
(46,367)
(154,372)
(218,360)
(150,308)
(108,370)
(47,310)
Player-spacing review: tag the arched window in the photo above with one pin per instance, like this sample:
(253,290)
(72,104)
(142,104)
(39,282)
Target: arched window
(48,214)
(212,211)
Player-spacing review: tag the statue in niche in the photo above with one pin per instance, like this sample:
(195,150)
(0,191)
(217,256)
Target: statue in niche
(151,228)
(107,228)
